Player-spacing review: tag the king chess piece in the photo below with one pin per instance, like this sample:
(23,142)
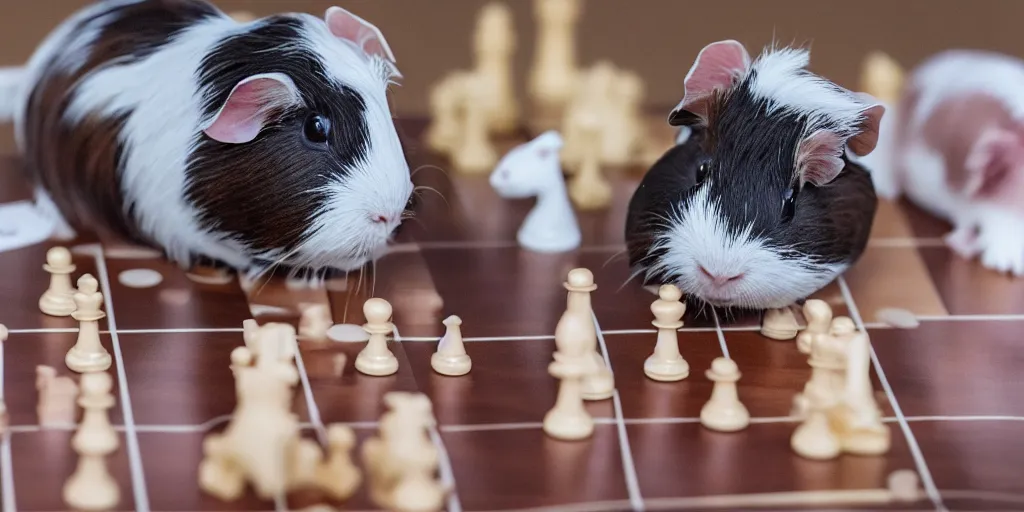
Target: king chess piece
(88,354)
(58,299)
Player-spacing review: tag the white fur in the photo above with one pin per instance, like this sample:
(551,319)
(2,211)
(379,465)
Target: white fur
(697,235)
(166,120)
(551,225)
(778,78)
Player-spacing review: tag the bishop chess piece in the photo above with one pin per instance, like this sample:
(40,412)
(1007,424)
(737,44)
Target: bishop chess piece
(666,364)
(57,300)
(451,358)
(91,487)
(88,354)
(600,383)
(569,419)
(818,315)
(724,412)
(376,359)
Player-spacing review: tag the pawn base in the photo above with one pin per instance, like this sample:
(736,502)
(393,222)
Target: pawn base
(568,426)
(599,387)
(452,366)
(724,419)
(377,366)
(78,361)
(55,304)
(92,493)
(666,370)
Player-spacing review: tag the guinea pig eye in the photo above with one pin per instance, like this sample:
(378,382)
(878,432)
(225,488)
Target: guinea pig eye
(703,170)
(316,129)
(789,203)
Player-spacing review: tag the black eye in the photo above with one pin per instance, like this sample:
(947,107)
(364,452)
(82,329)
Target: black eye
(703,170)
(316,129)
(789,203)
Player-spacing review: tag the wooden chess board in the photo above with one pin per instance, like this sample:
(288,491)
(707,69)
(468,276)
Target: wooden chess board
(947,387)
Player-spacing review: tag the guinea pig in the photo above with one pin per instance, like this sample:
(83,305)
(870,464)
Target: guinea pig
(954,145)
(758,206)
(170,124)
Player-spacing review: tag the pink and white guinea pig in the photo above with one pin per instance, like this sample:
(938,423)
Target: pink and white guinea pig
(168,123)
(759,205)
(954,145)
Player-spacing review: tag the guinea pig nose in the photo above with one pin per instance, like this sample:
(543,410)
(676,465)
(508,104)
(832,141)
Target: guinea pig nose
(718,279)
(382,219)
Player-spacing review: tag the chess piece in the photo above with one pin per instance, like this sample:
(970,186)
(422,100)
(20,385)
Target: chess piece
(552,79)
(476,154)
(622,132)
(58,299)
(828,368)
(451,358)
(589,189)
(584,121)
(446,108)
(91,487)
(401,462)
(818,315)
(600,383)
(882,77)
(862,431)
(57,397)
(338,477)
(666,363)
(779,324)
(533,169)
(495,43)
(724,412)
(568,419)
(314,323)
(376,359)
(88,354)
(814,438)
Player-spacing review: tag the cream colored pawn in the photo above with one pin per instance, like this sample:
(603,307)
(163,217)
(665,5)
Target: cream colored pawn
(780,324)
(724,412)
(57,299)
(91,487)
(88,354)
(376,359)
(666,364)
(451,358)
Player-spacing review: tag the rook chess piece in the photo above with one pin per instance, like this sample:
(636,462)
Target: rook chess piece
(779,324)
(376,359)
(91,487)
(57,300)
(724,412)
(88,354)
(666,363)
(568,419)
(451,358)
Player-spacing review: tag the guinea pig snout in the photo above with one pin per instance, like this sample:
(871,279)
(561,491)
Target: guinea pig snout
(720,279)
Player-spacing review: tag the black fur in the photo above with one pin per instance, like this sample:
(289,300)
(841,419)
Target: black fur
(264,193)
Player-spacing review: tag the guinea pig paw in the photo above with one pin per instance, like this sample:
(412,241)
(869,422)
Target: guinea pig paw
(964,242)
(1004,256)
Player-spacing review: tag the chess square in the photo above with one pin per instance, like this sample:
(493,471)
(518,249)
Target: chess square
(924,224)
(170,461)
(525,468)
(968,288)
(353,397)
(893,277)
(974,455)
(23,352)
(758,459)
(925,366)
(25,281)
(43,460)
(177,302)
(184,378)
(509,383)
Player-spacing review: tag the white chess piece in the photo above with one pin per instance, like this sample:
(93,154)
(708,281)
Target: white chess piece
(599,384)
(58,299)
(376,359)
(569,419)
(88,354)
(666,363)
(552,79)
(495,44)
(316,320)
(534,169)
(818,315)
(779,324)
(724,412)
(451,358)
(91,487)
(475,153)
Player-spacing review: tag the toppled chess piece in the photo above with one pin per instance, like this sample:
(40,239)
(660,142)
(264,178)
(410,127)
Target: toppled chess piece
(724,412)
(58,299)
(451,358)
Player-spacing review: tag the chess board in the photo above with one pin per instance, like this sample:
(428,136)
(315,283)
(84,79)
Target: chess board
(947,387)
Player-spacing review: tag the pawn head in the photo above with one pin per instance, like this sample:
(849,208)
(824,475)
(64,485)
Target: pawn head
(58,257)
(88,284)
(377,311)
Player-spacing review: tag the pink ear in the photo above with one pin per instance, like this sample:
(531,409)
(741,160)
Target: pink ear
(818,158)
(248,107)
(348,26)
(996,155)
(717,66)
(866,139)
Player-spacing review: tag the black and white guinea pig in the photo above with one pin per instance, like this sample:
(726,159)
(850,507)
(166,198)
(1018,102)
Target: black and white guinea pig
(759,206)
(168,123)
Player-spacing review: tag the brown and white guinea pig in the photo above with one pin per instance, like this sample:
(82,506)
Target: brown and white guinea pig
(758,206)
(168,123)
(954,145)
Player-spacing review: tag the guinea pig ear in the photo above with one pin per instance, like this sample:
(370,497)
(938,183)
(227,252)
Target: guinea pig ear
(819,158)
(345,25)
(996,156)
(249,106)
(717,67)
(866,138)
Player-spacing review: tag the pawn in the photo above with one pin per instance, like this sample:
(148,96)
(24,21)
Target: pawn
(451,358)
(666,363)
(88,354)
(376,359)
(338,477)
(814,438)
(58,299)
(818,315)
(91,487)
(724,412)
(314,323)
(779,324)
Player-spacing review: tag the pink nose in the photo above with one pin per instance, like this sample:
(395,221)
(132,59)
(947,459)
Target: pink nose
(720,280)
(381,219)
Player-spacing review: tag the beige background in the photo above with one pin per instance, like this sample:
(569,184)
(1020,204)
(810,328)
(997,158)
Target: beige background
(656,38)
